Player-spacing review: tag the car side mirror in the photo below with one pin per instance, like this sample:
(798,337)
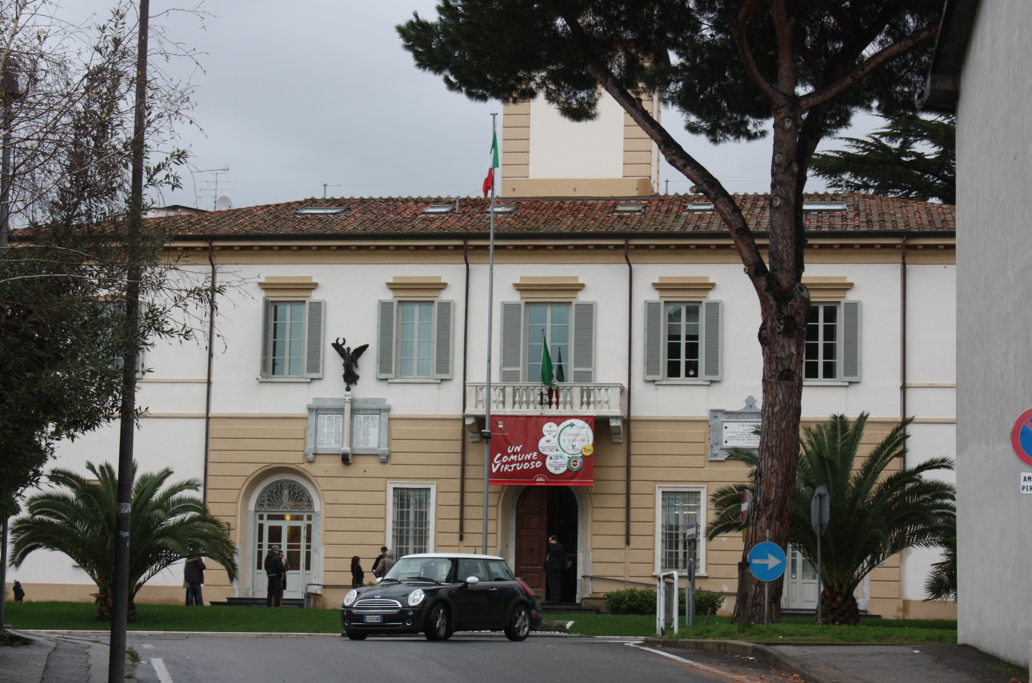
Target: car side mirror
(379,579)
(472,580)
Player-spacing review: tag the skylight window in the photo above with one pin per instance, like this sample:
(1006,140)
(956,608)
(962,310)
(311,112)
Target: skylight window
(700,207)
(438,209)
(503,209)
(824,207)
(629,208)
(320,210)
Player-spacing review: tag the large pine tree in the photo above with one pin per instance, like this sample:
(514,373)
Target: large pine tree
(736,70)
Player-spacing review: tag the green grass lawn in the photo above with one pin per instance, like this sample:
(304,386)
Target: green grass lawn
(79,616)
(791,629)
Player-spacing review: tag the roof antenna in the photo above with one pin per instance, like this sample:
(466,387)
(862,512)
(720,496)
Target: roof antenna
(456,203)
(325,185)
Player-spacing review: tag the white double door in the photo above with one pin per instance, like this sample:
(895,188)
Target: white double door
(293,534)
(800,582)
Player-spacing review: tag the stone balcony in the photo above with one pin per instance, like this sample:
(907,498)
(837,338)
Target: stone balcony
(602,401)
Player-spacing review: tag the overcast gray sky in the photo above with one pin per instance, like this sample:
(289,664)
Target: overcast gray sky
(295,95)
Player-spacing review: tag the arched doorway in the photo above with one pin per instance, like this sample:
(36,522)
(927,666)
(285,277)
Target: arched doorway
(284,514)
(542,511)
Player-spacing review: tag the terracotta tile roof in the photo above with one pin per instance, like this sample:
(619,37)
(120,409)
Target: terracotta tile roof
(383,216)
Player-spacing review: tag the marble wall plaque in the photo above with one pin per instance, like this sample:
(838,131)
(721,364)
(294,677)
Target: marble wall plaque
(330,430)
(365,431)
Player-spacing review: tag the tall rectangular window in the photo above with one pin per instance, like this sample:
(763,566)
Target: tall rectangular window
(411,521)
(548,323)
(288,337)
(415,339)
(683,329)
(821,353)
(678,508)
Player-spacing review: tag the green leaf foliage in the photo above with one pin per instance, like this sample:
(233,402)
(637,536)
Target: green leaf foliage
(78,519)
(874,514)
(912,157)
(513,50)
(643,601)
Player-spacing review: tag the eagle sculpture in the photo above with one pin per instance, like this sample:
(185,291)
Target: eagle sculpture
(350,360)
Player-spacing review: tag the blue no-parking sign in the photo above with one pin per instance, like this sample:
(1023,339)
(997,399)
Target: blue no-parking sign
(767,561)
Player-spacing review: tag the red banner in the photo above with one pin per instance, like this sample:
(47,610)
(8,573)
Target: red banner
(542,451)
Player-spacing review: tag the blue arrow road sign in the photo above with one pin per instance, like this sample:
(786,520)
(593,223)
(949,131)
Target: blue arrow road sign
(766,561)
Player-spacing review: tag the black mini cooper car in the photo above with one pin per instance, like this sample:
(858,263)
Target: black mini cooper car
(442,593)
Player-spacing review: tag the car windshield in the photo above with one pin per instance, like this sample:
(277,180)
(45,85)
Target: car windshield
(420,569)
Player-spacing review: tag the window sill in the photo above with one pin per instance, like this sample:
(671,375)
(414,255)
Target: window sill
(824,383)
(413,380)
(684,382)
(286,380)
(698,575)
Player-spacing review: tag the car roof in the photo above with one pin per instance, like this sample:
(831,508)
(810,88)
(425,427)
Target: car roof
(461,556)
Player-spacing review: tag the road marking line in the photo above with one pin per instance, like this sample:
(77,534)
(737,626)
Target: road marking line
(159,668)
(711,669)
(147,646)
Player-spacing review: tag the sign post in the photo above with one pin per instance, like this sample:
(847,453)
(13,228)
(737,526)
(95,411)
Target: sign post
(820,512)
(691,534)
(767,563)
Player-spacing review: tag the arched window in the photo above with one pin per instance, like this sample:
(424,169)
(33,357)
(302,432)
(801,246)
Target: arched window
(285,495)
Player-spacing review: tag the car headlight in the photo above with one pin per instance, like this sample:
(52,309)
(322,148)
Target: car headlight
(416,597)
(350,597)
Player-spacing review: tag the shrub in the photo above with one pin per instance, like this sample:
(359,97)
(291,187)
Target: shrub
(643,601)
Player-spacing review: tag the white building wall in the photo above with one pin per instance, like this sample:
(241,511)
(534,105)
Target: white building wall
(994,356)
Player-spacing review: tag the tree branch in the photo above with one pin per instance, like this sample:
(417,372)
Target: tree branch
(738,31)
(724,204)
(898,49)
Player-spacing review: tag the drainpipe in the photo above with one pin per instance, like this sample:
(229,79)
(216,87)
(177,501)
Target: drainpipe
(903,337)
(211,356)
(462,441)
(627,423)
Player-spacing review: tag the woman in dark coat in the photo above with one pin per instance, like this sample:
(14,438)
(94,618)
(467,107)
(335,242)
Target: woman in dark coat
(357,575)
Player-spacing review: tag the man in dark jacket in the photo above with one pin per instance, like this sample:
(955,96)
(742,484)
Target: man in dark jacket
(555,561)
(274,570)
(193,575)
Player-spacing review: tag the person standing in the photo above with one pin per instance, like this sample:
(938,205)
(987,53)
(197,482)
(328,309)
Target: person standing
(19,592)
(555,559)
(193,575)
(274,571)
(357,575)
(376,563)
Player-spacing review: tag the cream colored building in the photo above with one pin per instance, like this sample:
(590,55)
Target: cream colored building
(644,304)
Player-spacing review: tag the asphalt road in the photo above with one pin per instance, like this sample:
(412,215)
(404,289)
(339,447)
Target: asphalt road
(465,658)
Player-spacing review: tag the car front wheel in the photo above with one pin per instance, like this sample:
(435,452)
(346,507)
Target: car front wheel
(437,623)
(519,624)
(355,635)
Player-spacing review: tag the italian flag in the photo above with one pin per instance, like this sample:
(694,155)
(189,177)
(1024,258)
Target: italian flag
(489,180)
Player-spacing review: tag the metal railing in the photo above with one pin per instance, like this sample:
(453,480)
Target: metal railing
(533,398)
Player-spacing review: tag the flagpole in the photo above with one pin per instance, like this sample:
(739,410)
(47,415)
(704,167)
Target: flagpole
(485,434)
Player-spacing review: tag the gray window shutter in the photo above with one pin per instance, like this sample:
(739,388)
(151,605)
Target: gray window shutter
(386,340)
(512,341)
(711,322)
(654,340)
(583,350)
(443,326)
(266,335)
(850,341)
(315,326)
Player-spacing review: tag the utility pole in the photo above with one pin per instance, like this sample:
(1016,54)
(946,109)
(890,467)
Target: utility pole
(127,421)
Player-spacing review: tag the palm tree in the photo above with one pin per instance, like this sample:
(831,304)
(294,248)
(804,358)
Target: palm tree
(873,515)
(79,521)
(941,584)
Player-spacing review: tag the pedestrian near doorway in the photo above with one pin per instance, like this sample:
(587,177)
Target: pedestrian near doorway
(555,562)
(377,561)
(19,592)
(193,576)
(357,575)
(274,571)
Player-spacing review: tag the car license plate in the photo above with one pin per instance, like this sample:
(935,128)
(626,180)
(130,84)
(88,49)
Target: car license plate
(372,618)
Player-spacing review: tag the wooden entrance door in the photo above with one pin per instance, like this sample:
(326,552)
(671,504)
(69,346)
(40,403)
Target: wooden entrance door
(532,537)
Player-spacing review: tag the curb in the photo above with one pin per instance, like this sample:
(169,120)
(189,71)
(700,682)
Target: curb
(761,653)
(252,634)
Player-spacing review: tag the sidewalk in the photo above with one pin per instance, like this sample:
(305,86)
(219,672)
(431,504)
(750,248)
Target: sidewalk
(57,659)
(862,663)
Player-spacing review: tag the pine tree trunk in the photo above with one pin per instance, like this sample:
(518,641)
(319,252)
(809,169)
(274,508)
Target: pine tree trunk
(840,609)
(784,307)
